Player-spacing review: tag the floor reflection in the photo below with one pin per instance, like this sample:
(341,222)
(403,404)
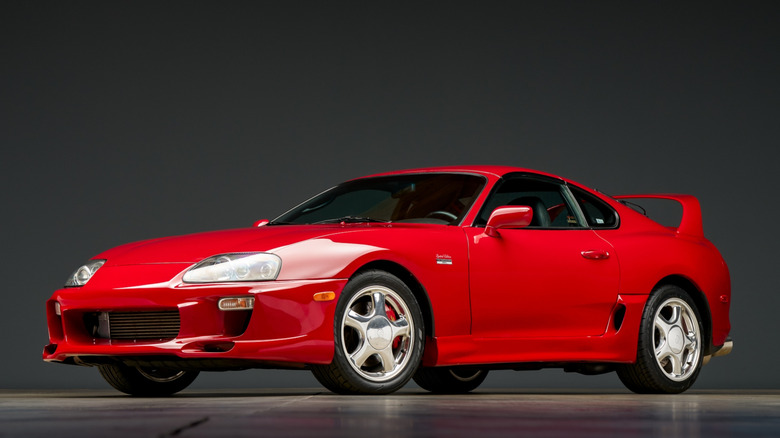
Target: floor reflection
(408,414)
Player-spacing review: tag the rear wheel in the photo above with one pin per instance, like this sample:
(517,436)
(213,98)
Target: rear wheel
(669,352)
(378,332)
(147,381)
(454,380)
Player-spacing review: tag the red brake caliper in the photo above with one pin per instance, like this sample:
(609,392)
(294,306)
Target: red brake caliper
(392,316)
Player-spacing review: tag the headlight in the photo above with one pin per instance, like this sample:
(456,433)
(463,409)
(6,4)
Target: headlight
(82,275)
(235,267)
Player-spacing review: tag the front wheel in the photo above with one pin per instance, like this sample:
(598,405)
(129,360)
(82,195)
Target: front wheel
(450,380)
(146,381)
(669,351)
(379,336)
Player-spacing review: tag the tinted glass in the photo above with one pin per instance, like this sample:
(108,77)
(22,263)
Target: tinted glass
(420,198)
(597,213)
(545,198)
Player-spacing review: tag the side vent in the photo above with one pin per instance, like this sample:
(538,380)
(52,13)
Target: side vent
(617,317)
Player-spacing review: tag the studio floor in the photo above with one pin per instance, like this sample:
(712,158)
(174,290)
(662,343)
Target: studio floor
(408,413)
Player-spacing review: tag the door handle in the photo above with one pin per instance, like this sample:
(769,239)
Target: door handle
(595,254)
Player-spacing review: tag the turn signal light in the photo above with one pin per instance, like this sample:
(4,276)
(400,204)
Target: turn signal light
(324,296)
(241,303)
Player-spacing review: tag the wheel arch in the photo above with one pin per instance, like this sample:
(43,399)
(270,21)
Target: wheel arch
(411,281)
(702,305)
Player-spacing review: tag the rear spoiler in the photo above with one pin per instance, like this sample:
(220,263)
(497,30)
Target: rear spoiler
(690,223)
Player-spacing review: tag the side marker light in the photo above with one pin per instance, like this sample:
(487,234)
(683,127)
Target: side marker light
(324,296)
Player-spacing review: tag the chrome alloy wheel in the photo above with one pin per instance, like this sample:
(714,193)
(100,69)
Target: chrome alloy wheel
(377,333)
(676,339)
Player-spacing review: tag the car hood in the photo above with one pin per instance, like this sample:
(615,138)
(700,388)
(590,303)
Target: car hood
(193,248)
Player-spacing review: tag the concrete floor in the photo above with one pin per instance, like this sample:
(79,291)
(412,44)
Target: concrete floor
(409,413)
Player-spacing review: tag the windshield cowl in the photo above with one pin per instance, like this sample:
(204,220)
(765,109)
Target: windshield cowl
(352,220)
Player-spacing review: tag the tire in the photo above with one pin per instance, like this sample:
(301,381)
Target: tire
(379,337)
(669,353)
(146,382)
(450,380)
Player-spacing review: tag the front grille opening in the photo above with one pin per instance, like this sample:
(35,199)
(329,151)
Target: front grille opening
(159,325)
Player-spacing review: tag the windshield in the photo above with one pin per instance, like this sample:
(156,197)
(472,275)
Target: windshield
(434,198)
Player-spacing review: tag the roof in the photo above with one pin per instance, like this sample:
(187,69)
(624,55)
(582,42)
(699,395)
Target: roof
(496,171)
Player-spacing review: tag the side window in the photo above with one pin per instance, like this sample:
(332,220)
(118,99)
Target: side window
(545,198)
(597,213)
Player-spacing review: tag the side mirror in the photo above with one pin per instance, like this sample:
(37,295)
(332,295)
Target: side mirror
(508,217)
(260,223)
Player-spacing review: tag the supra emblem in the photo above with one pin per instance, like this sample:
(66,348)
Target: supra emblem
(443,259)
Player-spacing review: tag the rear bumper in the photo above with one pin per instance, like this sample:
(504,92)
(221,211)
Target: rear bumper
(722,351)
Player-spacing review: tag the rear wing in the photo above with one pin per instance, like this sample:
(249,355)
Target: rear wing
(690,223)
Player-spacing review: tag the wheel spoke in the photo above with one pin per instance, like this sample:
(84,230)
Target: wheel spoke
(400,327)
(691,342)
(388,360)
(357,321)
(362,354)
(676,364)
(664,327)
(378,299)
(675,318)
(663,351)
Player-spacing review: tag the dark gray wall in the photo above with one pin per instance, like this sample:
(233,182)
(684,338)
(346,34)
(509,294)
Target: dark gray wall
(125,121)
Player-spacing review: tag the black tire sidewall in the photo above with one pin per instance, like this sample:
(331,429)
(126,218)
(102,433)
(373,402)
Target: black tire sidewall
(130,381)
(442,381)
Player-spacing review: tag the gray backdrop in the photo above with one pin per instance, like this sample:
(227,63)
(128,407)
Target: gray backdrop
(126,121)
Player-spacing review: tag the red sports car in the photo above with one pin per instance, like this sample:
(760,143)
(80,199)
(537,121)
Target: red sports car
(437,275)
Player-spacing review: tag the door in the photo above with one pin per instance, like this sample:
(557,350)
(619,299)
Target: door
(554,278)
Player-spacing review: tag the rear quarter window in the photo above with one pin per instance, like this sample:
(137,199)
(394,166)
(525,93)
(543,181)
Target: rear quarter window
(597,212)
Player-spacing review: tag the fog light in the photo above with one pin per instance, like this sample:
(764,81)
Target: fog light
(241,303)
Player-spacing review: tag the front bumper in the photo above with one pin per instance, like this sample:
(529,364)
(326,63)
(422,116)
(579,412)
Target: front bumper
(286,325)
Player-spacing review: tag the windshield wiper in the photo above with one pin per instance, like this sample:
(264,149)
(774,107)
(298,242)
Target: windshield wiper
(350,219)
(280,223)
